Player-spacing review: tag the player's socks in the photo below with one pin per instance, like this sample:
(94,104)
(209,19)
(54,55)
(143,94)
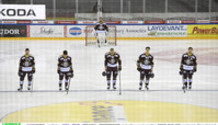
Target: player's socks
(28,88)
(140,85)
(190,86)
(190,83)
(29,85)
(60,85)
(114,84)
(146,84)
(66,86)
(184,84)
(108,84)
(21,86)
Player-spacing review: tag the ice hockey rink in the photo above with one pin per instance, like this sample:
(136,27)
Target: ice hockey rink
(89,101)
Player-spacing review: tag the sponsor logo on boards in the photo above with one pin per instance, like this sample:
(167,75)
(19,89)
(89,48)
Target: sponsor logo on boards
(45,30)
(75,31)
(212,30)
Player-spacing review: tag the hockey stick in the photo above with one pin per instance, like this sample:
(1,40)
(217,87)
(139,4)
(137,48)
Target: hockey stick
(32,86)
(120,90)
(68,86)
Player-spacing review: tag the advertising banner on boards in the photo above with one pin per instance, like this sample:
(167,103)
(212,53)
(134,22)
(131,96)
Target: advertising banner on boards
(13,31)
(76,31)
(203,31)
(47,31)
(131,31)
(22,12)
(166,31)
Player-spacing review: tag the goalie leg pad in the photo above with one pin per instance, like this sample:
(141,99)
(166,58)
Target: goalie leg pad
(101,37)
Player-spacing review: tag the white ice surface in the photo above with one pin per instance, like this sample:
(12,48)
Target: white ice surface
(88,83)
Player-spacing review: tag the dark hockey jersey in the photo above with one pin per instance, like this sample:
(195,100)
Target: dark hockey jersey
(112,60)
(101,27)
(189,62)
(65,64)
(27,63)
(145,62)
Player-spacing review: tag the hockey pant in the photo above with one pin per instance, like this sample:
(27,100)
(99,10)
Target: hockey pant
(187,76)
(112,71)
(143,74)
(29,77)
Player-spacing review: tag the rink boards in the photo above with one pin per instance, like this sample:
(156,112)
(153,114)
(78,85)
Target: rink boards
(124,31)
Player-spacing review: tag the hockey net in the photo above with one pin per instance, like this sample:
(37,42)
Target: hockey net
(91,39)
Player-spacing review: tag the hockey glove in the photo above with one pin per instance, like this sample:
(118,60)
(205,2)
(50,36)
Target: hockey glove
(181,72)
(119,68)
(195,69)
(71,69)
(34,70)
(20,73)
(58,70)
(139,69)
(181,67)
(151,75)
(71,76)
(104,73)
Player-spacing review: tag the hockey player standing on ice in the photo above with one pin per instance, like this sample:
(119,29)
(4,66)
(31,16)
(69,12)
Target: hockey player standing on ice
(112,65)
(145,67)
(26,67)
(101,30)
(188,67)
(64,69)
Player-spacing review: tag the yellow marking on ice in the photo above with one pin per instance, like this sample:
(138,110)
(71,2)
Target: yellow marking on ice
(64,112)
(134,111)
